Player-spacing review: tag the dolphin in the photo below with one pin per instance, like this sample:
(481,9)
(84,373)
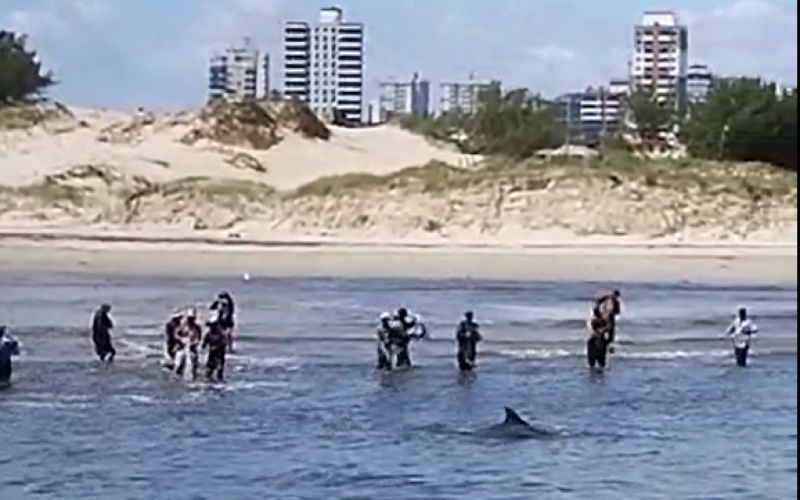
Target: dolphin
(515,427)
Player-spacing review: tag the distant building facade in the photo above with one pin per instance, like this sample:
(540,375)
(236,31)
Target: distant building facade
(461,97)
(323,65)
(698,82)
(660,57)
(405,98)
(233,73)
(594,113)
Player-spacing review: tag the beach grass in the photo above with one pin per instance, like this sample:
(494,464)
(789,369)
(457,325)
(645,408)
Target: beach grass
(746,180)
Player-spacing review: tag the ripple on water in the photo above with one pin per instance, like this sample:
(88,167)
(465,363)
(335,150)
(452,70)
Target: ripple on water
(303,416)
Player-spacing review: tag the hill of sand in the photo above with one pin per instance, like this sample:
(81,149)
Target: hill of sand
(272,170)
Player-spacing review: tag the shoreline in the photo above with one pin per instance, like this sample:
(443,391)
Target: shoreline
(616,260)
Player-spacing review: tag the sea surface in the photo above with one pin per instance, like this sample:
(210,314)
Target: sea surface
(304,416)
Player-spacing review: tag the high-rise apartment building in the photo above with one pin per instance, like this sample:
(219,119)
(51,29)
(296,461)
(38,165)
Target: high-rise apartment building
(660,57)
(233,73)
(405,98)
(323,65)
(461,97)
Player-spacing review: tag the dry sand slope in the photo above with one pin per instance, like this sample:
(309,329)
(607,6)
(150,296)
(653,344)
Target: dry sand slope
(272,171)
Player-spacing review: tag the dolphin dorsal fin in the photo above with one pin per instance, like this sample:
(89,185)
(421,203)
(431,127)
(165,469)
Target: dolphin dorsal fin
(513,418)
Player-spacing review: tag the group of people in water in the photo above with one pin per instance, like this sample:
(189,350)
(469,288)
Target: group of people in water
(185,338)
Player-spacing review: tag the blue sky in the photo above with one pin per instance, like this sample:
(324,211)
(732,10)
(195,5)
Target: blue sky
(130,53)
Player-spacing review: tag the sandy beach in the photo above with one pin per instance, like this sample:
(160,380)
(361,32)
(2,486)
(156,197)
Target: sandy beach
(558,261)
(215,191)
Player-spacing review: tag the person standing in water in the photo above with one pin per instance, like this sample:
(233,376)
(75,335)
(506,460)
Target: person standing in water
(101,334)
(216,342)
(188,337)
(608,307)
(171,342)
(467,338)
(385,335)
(225,309)
(598,343)
(9,348)
(741,333)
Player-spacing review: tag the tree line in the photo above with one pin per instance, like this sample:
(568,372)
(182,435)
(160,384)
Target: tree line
(741,118)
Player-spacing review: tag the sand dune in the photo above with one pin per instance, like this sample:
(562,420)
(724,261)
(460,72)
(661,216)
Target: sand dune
(151,146)
(273,171)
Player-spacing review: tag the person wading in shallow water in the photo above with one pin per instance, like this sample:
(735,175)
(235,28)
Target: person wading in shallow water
(101,334)
(9,348)
(741,333)
(602,326)
(467,338)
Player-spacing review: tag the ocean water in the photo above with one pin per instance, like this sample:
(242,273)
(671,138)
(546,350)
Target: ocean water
(304,416)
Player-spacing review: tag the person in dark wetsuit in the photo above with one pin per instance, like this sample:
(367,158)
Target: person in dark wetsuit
(410,328)
(599,341)
(226,309)
(216,342)
(101,334)
(9,348)
(170,331)
(467,338)
(608,307)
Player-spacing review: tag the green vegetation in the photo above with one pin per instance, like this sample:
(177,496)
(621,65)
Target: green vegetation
(514,124)
(743,120)
(651,116)
(22,81)
(21,75)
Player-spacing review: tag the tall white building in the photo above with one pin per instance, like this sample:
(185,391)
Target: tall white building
(233,73)
(323,65)
(460,96)
(405,98)
(660,57)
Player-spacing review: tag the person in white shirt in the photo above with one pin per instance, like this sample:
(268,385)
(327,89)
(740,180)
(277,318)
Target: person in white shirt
(741,333)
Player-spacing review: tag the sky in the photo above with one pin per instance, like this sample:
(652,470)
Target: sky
(130,53)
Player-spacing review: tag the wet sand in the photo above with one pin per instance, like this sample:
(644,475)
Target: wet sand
(739,264)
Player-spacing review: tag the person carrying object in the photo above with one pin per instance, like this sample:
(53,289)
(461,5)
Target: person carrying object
(741,332)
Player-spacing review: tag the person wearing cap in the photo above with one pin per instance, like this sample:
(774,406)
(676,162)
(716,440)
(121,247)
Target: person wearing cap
(741,332)
(467,338)
(102,325)
(9,348)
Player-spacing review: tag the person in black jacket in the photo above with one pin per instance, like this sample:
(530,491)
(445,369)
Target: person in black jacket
(226,309)
(101,334)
